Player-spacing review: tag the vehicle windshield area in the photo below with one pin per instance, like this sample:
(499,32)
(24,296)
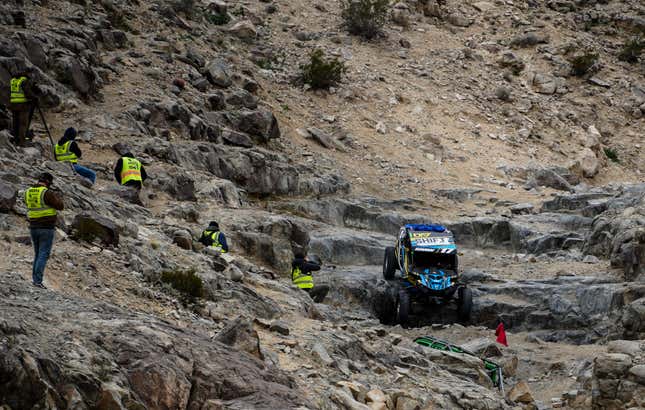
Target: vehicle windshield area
(423,260)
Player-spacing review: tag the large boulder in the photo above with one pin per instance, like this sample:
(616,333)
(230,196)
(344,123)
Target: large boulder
(275,240)
(112,39)
(240,334)
(545,84)
(244,30)
(183,239)
(633,320)
(218,72)
(529,39)
(619,232)
(556,178)
(348,248)
(589,163)
(78,74)
(89,226)
(181,187)
(242,98)
(520,393)
(260,124)
(618,381)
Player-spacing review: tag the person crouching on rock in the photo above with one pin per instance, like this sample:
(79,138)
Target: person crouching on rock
(128,171)
(67,150)
(214,238)
(301,269)
(42,203)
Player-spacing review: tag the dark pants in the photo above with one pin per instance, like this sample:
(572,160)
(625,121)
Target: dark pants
(22,116)
(42,239)
(318,292)
(134,184)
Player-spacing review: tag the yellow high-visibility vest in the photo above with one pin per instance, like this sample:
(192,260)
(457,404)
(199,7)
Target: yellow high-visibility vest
(35,201)
(215,238)
(17,92)
(131,170)
(63,153)
(301,280)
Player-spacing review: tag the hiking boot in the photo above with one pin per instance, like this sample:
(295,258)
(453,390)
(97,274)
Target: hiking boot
(40,285)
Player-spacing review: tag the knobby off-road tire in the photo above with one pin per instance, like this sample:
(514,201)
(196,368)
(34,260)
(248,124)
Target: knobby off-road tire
(389,263)
(403,308)
(465,304)
(384,304)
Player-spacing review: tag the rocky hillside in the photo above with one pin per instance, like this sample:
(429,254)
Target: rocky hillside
(519,126)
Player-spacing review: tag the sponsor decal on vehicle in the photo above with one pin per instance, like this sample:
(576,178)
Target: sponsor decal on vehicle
(433,240)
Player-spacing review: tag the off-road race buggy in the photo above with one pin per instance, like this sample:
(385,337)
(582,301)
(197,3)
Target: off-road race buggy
(426,256)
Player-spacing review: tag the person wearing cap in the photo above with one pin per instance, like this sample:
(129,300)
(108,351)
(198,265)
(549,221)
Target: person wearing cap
(42,203)
(67,150)
(129,171)
(301,269)
(214,238)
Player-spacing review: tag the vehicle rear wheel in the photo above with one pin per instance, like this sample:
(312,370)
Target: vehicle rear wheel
(465,304)
(389,263)
(385,305)
(403,308)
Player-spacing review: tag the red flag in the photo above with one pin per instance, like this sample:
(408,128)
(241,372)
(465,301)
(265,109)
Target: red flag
(501,334)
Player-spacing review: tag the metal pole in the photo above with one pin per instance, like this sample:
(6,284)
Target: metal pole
(501,380)
(42,117)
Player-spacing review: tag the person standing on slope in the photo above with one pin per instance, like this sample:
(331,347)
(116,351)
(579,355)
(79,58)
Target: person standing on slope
(42,203)
(22,106)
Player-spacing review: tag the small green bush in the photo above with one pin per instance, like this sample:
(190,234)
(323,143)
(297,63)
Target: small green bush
(185,281)
(116,17)
(632,50)
(365,17)
(611,154)
(583,63)
(218,19)
(321,72)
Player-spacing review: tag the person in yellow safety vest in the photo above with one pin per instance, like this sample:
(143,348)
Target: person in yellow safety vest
(129,171)
(22,106)
(67,150)
(42,203)
(213,237)
(301,269)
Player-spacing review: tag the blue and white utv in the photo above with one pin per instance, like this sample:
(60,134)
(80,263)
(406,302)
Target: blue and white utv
(426,256)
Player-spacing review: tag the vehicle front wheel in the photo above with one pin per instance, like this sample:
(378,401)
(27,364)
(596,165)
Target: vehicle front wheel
(389,263)
(403,308)
(465,304)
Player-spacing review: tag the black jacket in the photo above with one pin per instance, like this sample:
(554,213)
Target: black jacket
(207,240)
(73,147)
(305,266)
